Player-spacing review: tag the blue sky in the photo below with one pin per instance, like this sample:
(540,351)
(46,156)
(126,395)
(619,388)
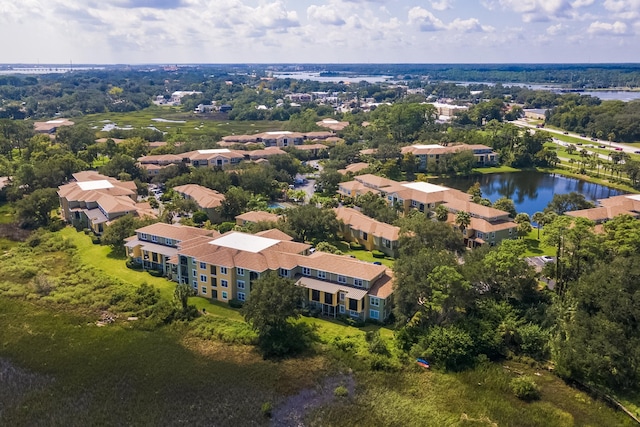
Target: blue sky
(299,31)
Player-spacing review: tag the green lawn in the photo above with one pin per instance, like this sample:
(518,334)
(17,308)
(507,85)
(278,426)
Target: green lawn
(535,247)
(363,255)
(194,124)
(497,169)
(6,214)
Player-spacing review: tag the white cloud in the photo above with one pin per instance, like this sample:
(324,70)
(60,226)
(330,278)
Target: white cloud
(607,28)
(325,15)
(425,20)
(539,10)
(441,5)
(471,25)
(555,30)
(581,3)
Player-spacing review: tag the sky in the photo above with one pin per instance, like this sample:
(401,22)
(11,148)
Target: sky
(319,31)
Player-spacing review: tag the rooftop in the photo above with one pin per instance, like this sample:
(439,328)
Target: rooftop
(214,151)
(425,187)
(95,185)
(244,242)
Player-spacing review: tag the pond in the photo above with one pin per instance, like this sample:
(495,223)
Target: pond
(530,191)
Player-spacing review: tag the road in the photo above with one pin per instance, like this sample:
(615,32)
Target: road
(610,145)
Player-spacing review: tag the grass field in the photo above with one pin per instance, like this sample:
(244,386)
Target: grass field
(183,123)
(59,366)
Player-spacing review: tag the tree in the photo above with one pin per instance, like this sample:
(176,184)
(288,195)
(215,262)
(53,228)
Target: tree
(524,224)
(273,305)
(115,233)
(538,218)
(235,202)
(442,213)
(34,210)
(562,203)
(463,220)
(507,205)
(311,224)
(374,206)
(329,180)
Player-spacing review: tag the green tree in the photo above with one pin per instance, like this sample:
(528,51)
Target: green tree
(115,233)
(235,203)
(463,220)
(564,202)
(507,205)
(271,309)
(538,218)
(442,213)
(34,210)
(524,224)
(311,224)
(329,180)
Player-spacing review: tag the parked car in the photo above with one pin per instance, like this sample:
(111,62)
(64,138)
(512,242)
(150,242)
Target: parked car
(602,146)
(637,152)
(565,132)
(618,149)
(547,258)
(594,139)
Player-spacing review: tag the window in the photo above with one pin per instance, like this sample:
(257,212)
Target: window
(193,261)
(493,234)
(168,242)
(341,296)
(284,272)
(154,238)
(203,265)
(386,243)
(479,235)
(342,309)
(315,295)
(194,273)
(195,284)
(353,304)
(203,278)
(328,298)
(241,296)
(214,294)
(374,314)
(214,282)
(144,236)
(374,301)
(240,271)
(224,283)
(204,289)
(342,279)
(225,295)
(414,203)
(240,284)
(213,270)
(322,274)
(223,270)
(358,282)
(365,236)
(306,271)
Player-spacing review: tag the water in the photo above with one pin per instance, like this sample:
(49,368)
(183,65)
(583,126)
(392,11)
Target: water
(354,78)
(530,191)
(614,95)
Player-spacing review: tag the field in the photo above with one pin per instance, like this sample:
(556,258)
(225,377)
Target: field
(58,365)
(181,123)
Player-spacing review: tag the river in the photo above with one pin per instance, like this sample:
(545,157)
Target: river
(530,191)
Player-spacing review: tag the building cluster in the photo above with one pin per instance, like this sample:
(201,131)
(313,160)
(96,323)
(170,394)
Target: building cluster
(94,200)
(609,208)
(488,225)
(224,267)
(427,154)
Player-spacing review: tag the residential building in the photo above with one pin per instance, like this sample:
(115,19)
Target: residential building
(213,158)
(314,150)
(51,126)
(253,217)
(154,164)
(207,200)
(265,153)
(225,267)
(372,234)
(332,124)
(354,168)
(447,111)
(153,245)
(433,153)
(489,225)
(607,209)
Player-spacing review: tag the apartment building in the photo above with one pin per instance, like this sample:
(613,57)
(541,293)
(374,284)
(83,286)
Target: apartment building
(489,225)
(207,200)
(373,235)
(434,153)
(213,158)
(609,208)
(94,200)
(224,267)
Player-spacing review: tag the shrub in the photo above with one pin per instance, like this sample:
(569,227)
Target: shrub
(378,362)
(356,246)
(266,409)
(525,388)
(133,264)
(451,348)
(377,254)
(344,344)
(376,344)
(234,303)
(533,341)
(96,240)
(156,273)
(341,391)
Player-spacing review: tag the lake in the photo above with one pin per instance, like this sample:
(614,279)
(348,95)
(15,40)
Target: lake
(530,191)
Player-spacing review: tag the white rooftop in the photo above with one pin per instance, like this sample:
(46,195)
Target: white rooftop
(244,242)
(214,151)
(282,132)
(425,187)
(54,121)
(425,146)
(635,197)
(330,121)
(95,185)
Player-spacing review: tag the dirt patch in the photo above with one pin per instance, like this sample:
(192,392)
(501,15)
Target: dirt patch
(17,383)
(294,409)
(13,232)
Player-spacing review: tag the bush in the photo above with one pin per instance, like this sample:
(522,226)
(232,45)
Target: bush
(344,344)
(133,264)
(266,409)
(533,341)
(378,362)
(234,303)
(96,240)
(525,388)
(341,391)
(356,246)
(376,344)
(451,348)
(156,273)
(377,254)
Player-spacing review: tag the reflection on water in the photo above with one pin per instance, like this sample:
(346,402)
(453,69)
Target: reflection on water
(530,191)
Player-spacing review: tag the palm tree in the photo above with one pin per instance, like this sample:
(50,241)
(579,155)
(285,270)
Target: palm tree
(442,213)
(463,220)
(538,218)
